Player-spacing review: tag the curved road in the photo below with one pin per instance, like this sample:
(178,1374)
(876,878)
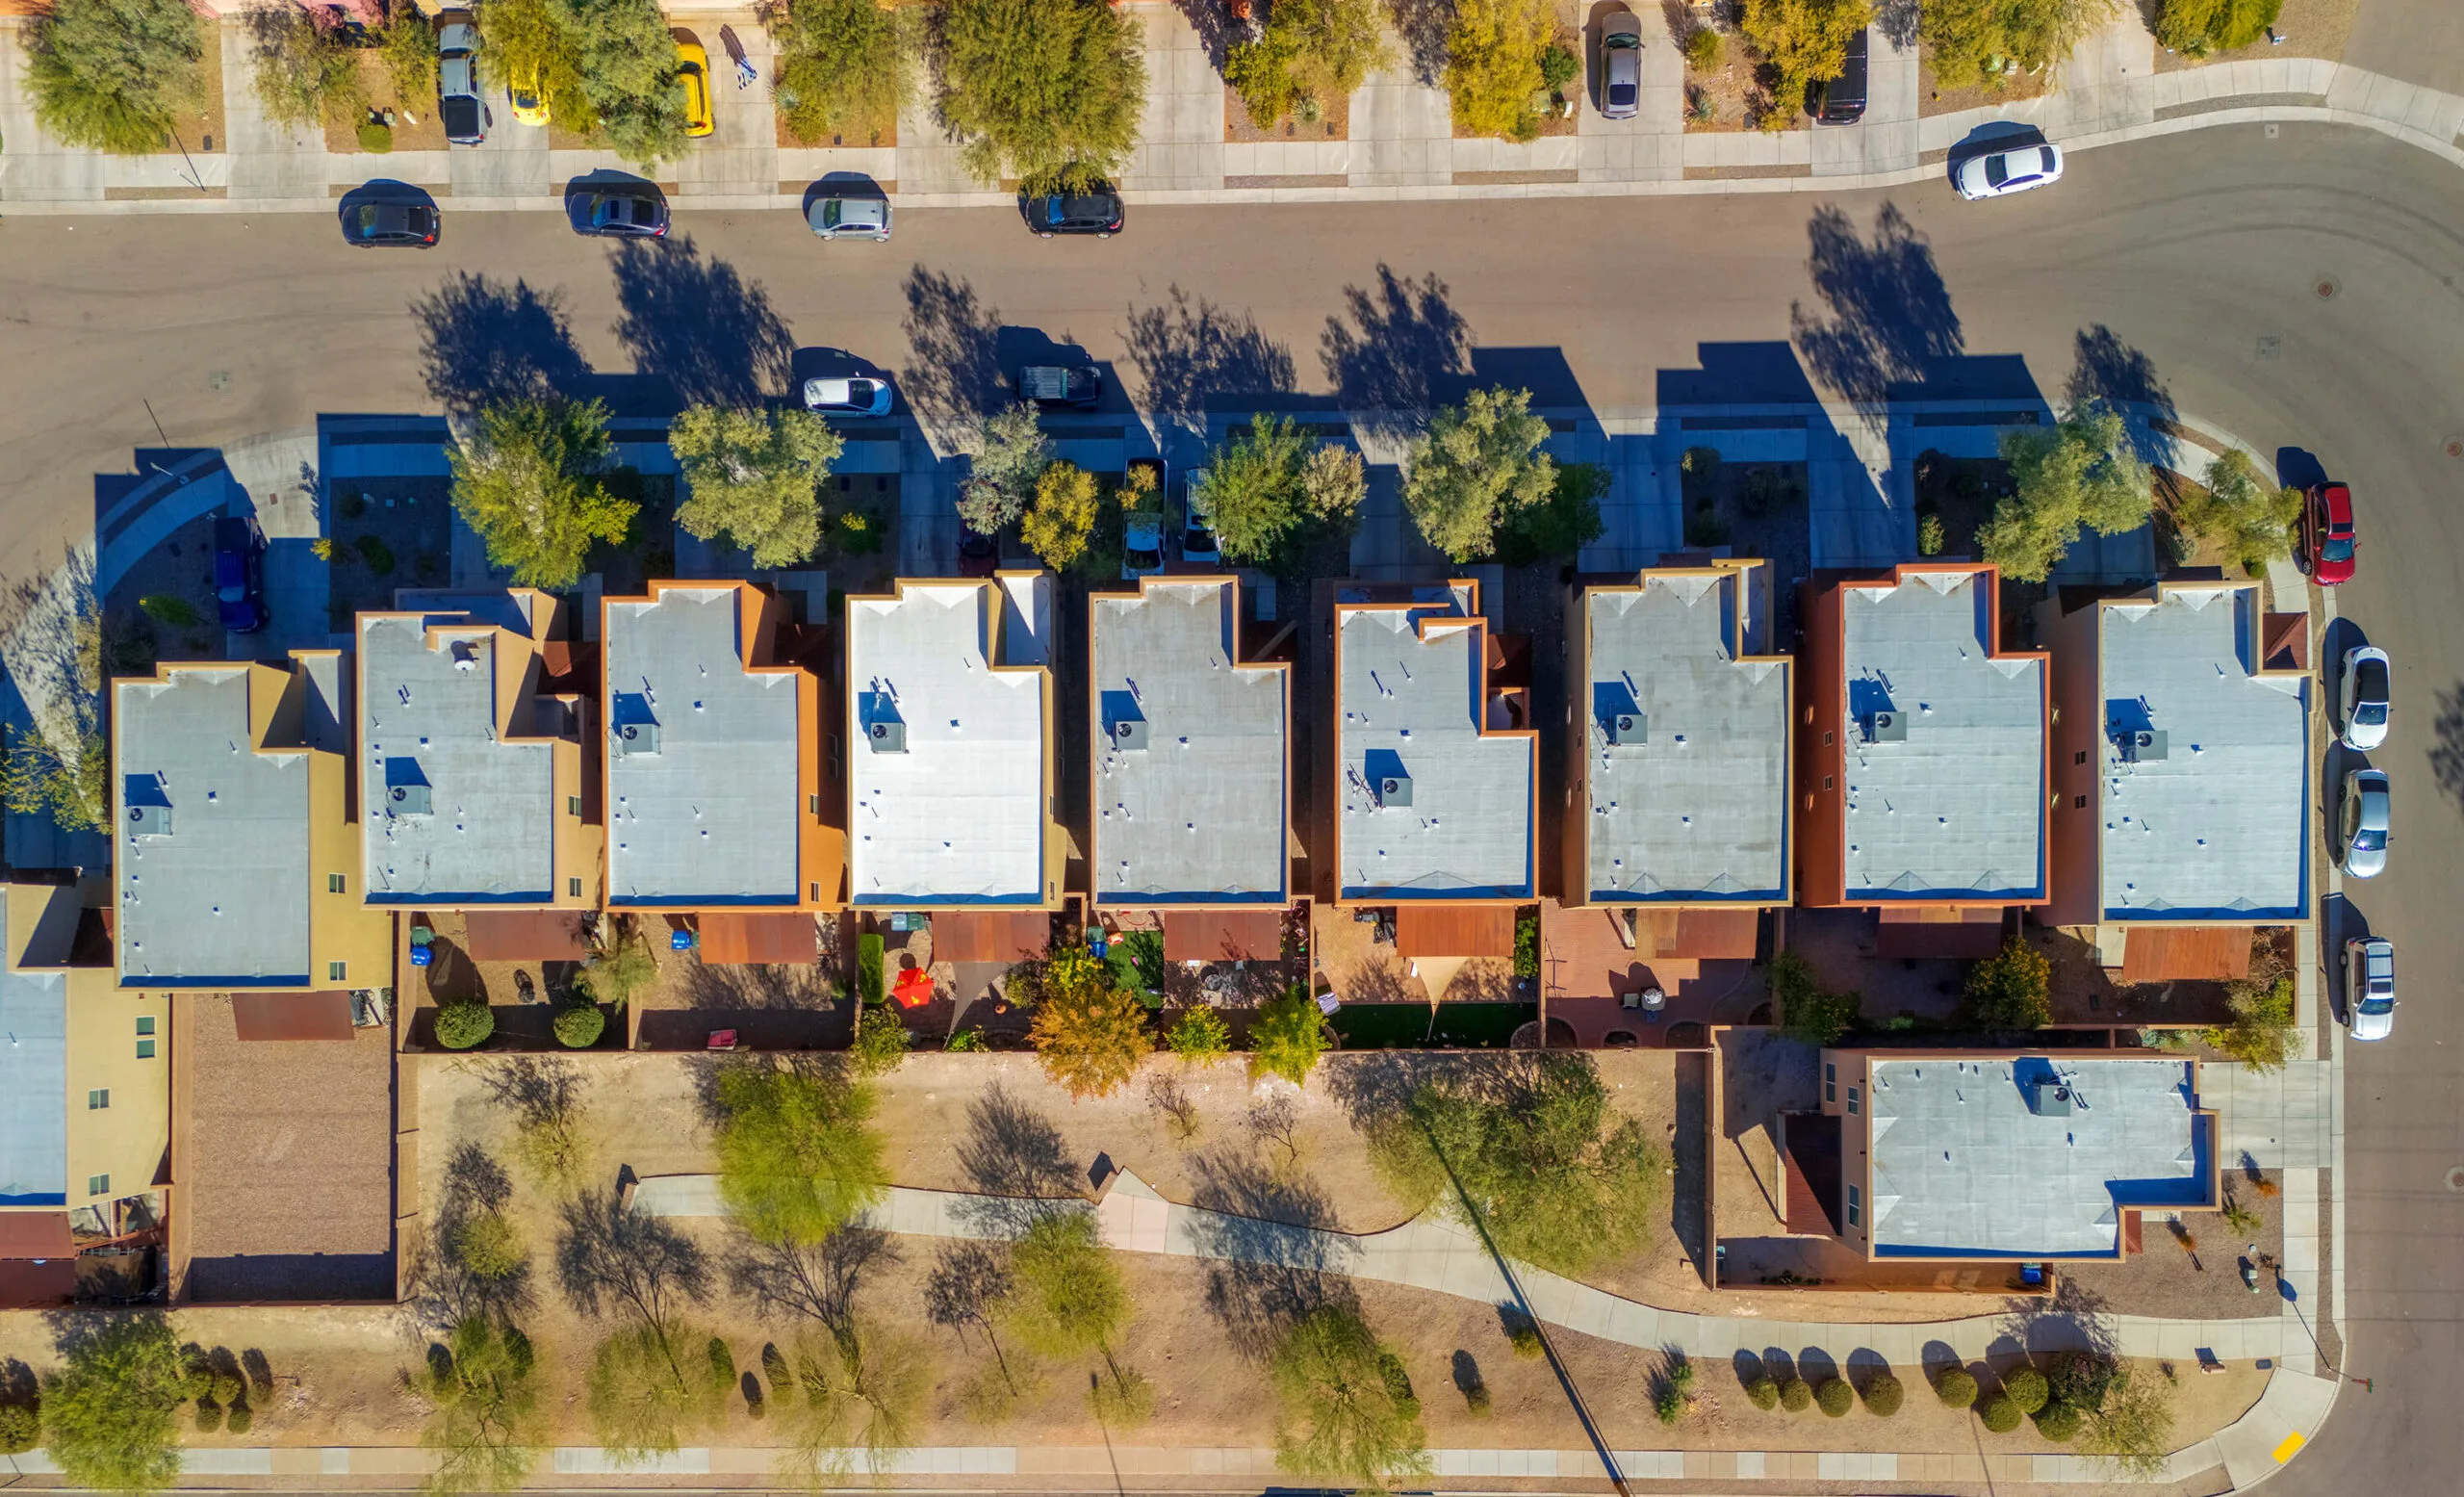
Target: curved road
(2203,252)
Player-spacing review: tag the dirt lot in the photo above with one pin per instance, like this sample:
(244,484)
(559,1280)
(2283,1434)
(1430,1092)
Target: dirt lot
(286,1168)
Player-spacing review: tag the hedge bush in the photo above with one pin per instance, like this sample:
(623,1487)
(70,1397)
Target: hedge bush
(1795,1396)
(2058,1422)
(464,1023)
(2000,1414)
(1525,1337)
(239,1419)
(2027,1388)
(20,1429)
(1763,1392)
(1955,1388)
(868,967)
(375,137)
(1884,1395)
(1835,1396)
(579,1025)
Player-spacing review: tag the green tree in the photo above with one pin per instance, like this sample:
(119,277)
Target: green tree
(1476,466)
(844,68)
(531,46)
(2262,1035)
(486,1246)
(526,486)
(623,967)
(1493,50)
(754,477)
(107,1413)
(1089,1034)
(1966,35)
(2010,990)
(1270,491)
(2131,1425)
(627,63)
(74,788)
(1062,519)
(21,1428)
(117,75)
(409,45)
(2240,514)
(1287,1036)
(1048,92)
(644,1388)
(1008,453)
(306,69)
(1198,1036)
(1341,1413)
(2200,27)
(1067,1297)
(486,1429)
(860,1390)
(1801,1008)
(798,1155)
(2080,472)
(880,1040)
(1560,526)
(1561,1179)
(1261,70)
(1311,50)
(1801,41)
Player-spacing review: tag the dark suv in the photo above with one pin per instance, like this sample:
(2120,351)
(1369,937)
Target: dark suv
(1097,212)
(239,578)
(1841,100)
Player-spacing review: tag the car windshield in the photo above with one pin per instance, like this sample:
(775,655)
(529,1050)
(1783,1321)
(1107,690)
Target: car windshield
(2367,840)
(2377,1005)
(831,215)
(1139,560)
(2335,550)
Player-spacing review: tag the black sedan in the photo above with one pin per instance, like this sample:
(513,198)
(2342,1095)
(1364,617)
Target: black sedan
(625,212)
(1097,212)
(381,225)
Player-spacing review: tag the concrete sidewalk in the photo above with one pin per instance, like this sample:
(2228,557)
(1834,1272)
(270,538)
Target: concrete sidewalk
(1402,143)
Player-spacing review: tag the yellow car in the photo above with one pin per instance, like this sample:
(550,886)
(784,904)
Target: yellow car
(528,106)
(693,71)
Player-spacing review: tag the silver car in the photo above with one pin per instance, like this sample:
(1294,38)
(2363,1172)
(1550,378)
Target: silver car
(850,218)
(2370,987)
(2000,173)
(458,105)
(1621,65)
(2366,696)
(2364,823)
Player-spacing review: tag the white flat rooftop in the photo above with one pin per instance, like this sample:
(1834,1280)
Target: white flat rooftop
(709,814)
(1409,691)
(958,816)
(1962,1165)
(221,898)
(428,717)
(1198,814)
(1956,808)
(1696,808)
(2218,826)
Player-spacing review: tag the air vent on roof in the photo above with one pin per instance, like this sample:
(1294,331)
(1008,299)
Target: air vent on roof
(888,735)
(2048,1097)
(149,821)
(1886,727)
(2142,746)
(1128,733)
(150,805)
(408,800)
(1394,790)
(637,738)
(1626,729)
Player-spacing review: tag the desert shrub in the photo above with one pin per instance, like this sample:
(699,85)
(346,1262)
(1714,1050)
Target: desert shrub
(2027,1388)
(1931,536)
(239,1419)
(1089,1034)
(1955,1388)
(486,1247)
(463,1023)
(375,137)
(1525,1337)
(1478,1401)
(1796,1395)
(1884,1395)
(1703,49)
(2058,1422)
(1559,66)
(1763,1392)
(2262,1035)
(1835,1396)
(2080,1378)
(20,1429)
(1199,1035)
(1804,1011)
(2000,1413)
(1287,1035)
(2010,989)
(882,1039)
(170,609)
(579,1026)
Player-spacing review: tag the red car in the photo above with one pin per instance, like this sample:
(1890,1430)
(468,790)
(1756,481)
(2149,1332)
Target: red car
(2327,538)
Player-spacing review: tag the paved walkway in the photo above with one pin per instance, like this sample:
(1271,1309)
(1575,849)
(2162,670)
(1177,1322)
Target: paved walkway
(1401,145)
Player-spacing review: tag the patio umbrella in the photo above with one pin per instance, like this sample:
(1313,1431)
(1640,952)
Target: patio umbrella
(914,988)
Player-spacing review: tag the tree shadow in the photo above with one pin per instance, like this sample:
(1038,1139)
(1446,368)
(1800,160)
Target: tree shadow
(1273,1251)
(1217,31)
(2070,1319)
(819,1281)
(2112,371)
(446,1288)
(482,340)
(1422,26)
(610,1260)
(540,1091)
(2447,744)
(1186,353)
(1778,1364)
(693,323)
(1465,1369)
(1896,20)
(951,377)
(1018,1163)
(1404,337)
(1890,314)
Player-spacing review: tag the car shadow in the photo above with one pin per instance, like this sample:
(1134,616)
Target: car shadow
(381,190)
(841,184)
(578,193)
(1992,135)
(2297,467)
(2342,922)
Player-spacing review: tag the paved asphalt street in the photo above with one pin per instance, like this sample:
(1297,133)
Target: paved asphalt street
(2207,252)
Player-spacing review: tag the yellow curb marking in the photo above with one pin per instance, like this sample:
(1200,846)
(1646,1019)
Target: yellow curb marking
(2292,1443)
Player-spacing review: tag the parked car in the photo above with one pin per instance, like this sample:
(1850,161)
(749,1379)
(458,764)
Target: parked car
(458,105)
(1097,211)
(2327,535)
(979,554)
(1197,533)
(693,72)
(389,226)
(239,576)
(1081,385)
(1621,65)
(856,396)
(850,218)
(2000,173)
(624,212)
(1142,537)
(2370,987)
(1841,100)
(2364,839)
(2367,693)
(529,107)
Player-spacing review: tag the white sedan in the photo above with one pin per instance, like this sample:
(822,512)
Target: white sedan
(2366,697)
(858,397)
(2000,173)
(2370,987)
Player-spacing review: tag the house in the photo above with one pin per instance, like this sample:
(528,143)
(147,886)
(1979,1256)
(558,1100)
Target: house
(1677,761)
(719,794)
(1996,1154)
(1191,781)
(949,686)
(473,719)
(85,1097)
(237,833)
(1921,744)
(1436,783)
(2182,776)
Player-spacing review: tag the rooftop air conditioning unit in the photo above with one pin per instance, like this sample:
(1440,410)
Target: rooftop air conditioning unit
(888,735)
(2049,1098)
(1129,733)
(2143,745)
(409,800)
(149,821)
(1394,791)
(637,738)
(1626,729)
(1886,727)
